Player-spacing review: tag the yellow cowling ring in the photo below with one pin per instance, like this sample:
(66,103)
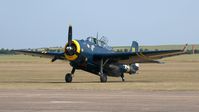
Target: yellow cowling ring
(75,56)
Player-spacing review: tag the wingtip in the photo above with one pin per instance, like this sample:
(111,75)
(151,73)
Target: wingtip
(185,48)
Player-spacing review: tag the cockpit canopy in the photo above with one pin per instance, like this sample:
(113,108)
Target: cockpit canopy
(101,43)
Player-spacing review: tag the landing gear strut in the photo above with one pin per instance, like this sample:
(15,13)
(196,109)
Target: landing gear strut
(122,76)
(103,77)
(69,76)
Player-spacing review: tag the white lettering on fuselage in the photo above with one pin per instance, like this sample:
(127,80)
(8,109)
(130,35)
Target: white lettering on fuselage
(88,45)
(92,47)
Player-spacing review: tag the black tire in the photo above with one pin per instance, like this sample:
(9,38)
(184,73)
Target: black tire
(103,78)
(68,78)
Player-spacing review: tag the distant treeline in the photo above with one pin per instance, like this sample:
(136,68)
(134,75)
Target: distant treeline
(9,51)
(6,51)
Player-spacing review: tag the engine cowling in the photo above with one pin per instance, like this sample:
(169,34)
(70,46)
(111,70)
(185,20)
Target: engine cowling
(72,52)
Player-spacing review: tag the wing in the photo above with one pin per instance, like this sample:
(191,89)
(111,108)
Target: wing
(138,57)
(53,55)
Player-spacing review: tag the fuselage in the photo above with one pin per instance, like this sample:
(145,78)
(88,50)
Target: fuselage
(85,59)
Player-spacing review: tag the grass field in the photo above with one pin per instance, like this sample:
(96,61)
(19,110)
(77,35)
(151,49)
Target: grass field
(25,72)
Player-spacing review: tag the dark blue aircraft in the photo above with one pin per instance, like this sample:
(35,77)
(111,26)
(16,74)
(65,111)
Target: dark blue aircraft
(95,56)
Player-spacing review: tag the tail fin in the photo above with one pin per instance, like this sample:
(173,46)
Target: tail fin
(134,47)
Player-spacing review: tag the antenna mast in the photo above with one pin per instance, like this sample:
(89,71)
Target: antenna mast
(97,36)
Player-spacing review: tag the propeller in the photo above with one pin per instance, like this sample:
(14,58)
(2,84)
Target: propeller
(70,48)
(70,34)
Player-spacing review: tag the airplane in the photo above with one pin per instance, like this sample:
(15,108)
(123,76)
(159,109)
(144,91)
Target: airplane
(95,56)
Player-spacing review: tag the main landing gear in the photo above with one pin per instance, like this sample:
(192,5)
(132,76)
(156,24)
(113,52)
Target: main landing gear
(122,76)
(103,77)
(69,76)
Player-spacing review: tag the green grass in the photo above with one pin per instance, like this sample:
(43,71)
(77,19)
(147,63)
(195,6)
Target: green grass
(183,58)
(21,58)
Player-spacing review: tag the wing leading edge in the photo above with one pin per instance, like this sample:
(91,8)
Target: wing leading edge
(139,57)
(53,55)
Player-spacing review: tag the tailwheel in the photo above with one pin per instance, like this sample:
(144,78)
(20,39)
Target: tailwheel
(68,78)
(103,78)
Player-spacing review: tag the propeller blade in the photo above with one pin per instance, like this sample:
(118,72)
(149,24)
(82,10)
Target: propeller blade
(70,35)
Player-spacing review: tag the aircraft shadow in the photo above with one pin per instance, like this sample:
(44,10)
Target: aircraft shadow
(117,82)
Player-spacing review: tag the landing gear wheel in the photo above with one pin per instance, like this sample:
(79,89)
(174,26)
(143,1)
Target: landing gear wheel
(68,78)
(103,78)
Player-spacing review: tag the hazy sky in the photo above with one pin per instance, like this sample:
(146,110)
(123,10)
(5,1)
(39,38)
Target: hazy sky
(44,23)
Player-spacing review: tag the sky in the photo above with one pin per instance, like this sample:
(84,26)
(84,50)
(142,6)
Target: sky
(44,23)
